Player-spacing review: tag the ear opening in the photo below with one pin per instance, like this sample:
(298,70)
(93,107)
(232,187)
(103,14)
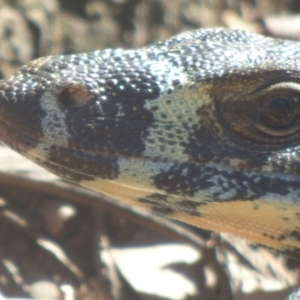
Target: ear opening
(74,96)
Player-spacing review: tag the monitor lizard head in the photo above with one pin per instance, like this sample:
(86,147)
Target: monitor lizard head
(203,127)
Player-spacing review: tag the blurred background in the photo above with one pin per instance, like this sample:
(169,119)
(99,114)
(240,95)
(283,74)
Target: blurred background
(34,28)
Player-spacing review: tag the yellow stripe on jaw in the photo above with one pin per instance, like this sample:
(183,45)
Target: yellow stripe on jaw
(260,222)
(257,221)
(121,192)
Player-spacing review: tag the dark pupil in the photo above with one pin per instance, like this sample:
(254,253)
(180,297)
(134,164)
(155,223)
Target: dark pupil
(280,108)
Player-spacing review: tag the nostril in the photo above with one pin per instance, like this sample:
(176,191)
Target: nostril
(74,96)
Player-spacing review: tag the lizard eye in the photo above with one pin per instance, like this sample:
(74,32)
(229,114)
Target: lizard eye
(279,109)
(270,116)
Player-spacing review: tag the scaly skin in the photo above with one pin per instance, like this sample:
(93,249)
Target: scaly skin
(203,127)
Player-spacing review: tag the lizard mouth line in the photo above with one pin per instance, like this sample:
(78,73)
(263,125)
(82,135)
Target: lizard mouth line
(28,145)
(15,138)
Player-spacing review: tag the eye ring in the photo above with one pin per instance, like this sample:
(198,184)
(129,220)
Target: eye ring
(279,109)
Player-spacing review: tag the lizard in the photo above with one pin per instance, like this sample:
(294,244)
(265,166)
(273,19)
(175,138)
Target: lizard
(203,128)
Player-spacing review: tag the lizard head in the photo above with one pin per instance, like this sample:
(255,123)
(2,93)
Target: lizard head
(204,127)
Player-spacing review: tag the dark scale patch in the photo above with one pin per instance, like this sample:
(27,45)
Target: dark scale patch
(159,203)
(78,166)
(191,207)
(159,197)
(109,136)
(281,238)
(187,179)
(20,108)
(253,186)
(184,179)
(115,121)
(262,184)
(164,204)
(270,236)
(154,199)
(295,234)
